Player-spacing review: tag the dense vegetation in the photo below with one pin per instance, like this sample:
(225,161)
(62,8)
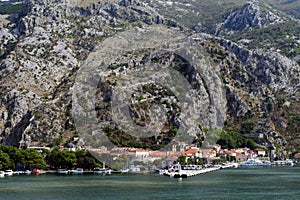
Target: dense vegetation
(122,139)
(16,159)
(232,139)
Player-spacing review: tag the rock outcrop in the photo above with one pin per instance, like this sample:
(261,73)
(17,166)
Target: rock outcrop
(252,15)
(41,50)
(43,47)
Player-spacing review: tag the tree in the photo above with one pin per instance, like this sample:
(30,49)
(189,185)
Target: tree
(85,160)
(61,159)
(70,159)
(13,153)
(182,160)
(33,159)
(5,162)
(232,140)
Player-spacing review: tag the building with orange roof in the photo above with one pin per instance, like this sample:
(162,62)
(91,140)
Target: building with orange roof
(217,147)
(141,153)
(297,156)
(240,157)
(208,153)
(192,152)
(158,154)
(260,152)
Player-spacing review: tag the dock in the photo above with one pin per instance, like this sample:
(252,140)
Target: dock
(180,172)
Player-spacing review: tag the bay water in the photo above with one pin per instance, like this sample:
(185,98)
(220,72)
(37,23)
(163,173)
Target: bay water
(241,183)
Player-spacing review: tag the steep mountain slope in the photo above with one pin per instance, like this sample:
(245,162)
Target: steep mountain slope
(43,48)
(251,16)
(200,15)
(257,25)
(291,7)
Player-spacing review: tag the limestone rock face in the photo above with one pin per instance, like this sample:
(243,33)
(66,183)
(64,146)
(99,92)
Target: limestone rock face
(43,47)
(251,16)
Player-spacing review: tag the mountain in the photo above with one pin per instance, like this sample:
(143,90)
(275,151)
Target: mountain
(257,25)
(251,16)
(200,15)
(45,47)
(291,7)
(41,50)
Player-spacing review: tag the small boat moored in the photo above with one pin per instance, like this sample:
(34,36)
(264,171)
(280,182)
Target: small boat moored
(36,172)
(8,172)
(77,171)
(288,162)
(254,162)
(63,171)
(97,170)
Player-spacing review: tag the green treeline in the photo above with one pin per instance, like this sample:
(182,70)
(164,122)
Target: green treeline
(232,140)
(12,158)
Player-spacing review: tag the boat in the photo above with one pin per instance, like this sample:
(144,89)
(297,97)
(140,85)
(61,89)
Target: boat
(77,171)
(2,174)
(288,162)
(8,172)
(36,171)
(63,171)
(124,170)
(97,170)
(27,172)
(254,162)
(134,169)
(162,171)
(17,172)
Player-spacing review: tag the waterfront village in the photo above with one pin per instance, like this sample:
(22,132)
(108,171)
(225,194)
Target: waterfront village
(181,161)
(190,157)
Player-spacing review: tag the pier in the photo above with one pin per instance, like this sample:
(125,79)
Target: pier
(178,171)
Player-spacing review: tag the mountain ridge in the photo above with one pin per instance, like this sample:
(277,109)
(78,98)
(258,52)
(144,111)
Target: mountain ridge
(252,15)
(45,46)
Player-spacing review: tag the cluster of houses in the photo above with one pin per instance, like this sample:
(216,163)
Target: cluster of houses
(163,159)
(171,157)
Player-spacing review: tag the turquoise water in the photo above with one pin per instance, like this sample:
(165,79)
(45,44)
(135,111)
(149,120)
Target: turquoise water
(242,183)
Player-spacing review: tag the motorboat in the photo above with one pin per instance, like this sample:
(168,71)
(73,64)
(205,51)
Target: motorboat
(36,172)
(288,162)
(63,171)
(124,170)
(255,162)
(77,171)
(98,170)
(2,174)
(8,172)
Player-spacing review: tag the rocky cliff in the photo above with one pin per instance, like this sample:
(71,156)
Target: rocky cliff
(250,16)
(44,46)
(41,49)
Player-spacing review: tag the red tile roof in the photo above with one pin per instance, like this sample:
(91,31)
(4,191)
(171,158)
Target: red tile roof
(297,155)
(157,154)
